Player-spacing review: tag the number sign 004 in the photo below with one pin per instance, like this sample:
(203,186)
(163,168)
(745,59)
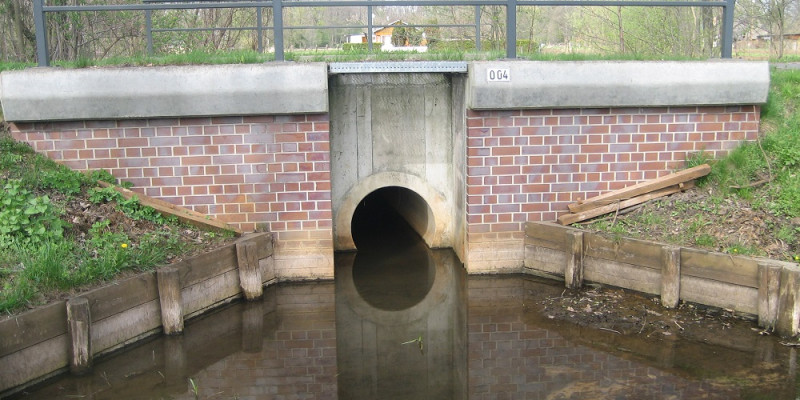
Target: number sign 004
(498,75)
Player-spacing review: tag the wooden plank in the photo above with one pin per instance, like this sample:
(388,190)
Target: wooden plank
(184,214)
(720,267)
(719,294)
(543,259)
(204,266)
(32,327)
(218,289)
(624,250)
(263,241)
(617,205)
(34,362)
(126,327)
(641,188)
(645,280)
(546,234)
(123,295)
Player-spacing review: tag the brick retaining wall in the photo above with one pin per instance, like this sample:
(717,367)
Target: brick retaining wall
(527,165)
(273,172)
(253,172)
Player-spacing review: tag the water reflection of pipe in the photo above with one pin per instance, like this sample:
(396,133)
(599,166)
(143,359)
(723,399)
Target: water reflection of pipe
(395,339)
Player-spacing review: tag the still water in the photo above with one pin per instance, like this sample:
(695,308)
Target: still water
(402,321)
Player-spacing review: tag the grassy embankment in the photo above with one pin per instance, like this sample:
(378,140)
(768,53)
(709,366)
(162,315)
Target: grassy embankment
(758,184)
(60,231)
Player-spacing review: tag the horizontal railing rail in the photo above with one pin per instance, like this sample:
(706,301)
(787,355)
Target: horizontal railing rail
(41,10)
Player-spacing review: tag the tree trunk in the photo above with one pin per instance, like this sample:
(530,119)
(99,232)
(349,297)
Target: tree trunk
(621,31)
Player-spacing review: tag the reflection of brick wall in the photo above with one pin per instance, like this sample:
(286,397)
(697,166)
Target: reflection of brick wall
(298,355)
(247,171)
(528,165)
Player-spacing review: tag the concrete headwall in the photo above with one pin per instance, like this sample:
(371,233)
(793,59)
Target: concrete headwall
(392,129)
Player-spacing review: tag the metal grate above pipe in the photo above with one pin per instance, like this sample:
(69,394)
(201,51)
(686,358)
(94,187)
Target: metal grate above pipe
(389,66)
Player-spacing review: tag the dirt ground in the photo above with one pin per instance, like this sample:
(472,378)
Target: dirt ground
(629,313)
(697,218)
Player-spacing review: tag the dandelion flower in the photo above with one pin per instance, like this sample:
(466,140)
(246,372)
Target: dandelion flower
(124,245)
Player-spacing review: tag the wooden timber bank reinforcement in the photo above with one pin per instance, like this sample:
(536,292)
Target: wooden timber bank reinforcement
(765,288)
(69,334)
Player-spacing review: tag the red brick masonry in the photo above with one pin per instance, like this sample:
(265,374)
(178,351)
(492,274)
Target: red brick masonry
(528,165)
(247,171)
(524,165)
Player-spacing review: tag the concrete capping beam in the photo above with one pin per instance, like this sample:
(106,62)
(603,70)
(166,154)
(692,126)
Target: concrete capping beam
(584,84)
(42,94)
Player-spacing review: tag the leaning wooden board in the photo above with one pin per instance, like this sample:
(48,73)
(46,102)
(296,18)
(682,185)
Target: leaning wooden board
(184,214)
(641,188)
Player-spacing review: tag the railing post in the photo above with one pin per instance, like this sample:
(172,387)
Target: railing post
(369,28)
(260,30)
(727,28)
(148,23)
(41,33)
(478,28)
(511,29)
(277,28)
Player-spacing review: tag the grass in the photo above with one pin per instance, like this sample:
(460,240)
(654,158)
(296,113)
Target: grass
(44,252)
(325,55)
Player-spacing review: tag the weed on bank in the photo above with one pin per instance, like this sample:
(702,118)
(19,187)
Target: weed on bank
(47,246)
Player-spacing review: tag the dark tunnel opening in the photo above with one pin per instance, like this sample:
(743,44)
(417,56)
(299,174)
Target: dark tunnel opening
(389,217)
(393,269)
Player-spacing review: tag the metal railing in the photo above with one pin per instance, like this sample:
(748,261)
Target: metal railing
(40,11)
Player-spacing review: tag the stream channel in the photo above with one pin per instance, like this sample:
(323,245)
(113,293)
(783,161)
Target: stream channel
(402,321)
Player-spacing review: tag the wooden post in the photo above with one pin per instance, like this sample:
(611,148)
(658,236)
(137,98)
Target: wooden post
(789,303)
(174,362)
(253,327)
(169,293)
(670,276)
(573,271)
(769,277)
(249,272)
(79,323)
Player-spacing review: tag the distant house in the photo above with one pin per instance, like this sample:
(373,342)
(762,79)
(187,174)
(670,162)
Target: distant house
(384,37)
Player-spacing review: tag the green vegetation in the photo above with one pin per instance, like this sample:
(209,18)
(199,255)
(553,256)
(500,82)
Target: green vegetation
(439,51)
(46,243)
(758,183)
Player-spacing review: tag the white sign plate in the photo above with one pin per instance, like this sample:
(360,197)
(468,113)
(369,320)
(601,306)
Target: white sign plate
(498,75)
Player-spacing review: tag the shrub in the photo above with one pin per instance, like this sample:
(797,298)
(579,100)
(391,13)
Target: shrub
(26,219)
